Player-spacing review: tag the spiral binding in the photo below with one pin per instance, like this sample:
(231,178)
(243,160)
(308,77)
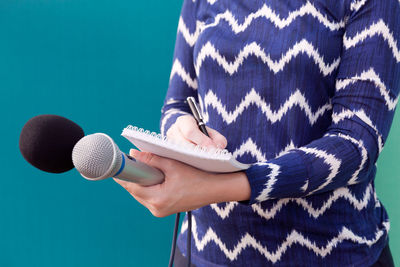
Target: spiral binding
(197,150)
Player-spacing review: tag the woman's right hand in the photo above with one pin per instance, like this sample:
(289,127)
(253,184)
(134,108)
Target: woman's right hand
(185,130)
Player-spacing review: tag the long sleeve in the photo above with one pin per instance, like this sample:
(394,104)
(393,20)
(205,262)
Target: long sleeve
(183,82)
(366,94)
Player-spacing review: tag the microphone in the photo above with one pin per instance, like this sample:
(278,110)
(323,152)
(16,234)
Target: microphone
(55,144)
(98,157)
(46,142)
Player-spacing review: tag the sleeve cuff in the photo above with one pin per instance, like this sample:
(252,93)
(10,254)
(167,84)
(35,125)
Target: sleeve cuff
(169,118)
(286,176)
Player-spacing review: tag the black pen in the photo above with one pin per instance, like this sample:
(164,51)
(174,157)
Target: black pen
(197,114)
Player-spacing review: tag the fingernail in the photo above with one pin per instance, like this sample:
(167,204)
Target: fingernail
(133,152)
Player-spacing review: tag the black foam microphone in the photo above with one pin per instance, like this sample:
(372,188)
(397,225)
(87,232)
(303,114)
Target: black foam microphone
(47,141)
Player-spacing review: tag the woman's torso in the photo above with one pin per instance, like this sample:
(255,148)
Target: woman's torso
(266,74)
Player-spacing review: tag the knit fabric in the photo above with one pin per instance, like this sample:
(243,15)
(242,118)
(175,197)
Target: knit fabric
(306,92)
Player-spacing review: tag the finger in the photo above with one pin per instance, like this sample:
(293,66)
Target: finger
(126,185)
(137,191)
(151,159)
(189,129)
(138,199)
(178,137)
(218,138)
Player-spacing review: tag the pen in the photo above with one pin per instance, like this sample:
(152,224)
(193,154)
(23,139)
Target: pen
(197,114)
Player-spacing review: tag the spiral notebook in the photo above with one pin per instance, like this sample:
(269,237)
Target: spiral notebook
(208,160)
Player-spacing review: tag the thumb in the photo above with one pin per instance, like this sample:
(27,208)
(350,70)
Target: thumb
(217,138)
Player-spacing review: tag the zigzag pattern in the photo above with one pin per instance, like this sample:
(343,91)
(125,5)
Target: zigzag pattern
(168,114)
(377,202)
(269,14)
(271,180)
(263,12)
(268,214)
(370,75)
(356,5)
(190,38)
(364,155)
(329,159)
(293,238)
(172,101)
(211,2)
(340,193)
(249,146)
(347,114)
(225,211)
(177,69)
(378,28)
(220,58)
(253,98)
(302,47)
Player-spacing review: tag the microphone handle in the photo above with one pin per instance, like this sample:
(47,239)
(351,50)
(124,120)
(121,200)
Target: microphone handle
(135,171)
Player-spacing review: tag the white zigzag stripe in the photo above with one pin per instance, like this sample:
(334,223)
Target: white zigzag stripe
(271,180)
(177,69)
(267,13)
(337,194)
(249,146)
(370,75)
(190,38)
(364,155)
(287,149)
(333,162)
(264,12)
(168,114)
(296,99)
(379,28)
(305,186)
(302,47)
(356,5)
(172,101)
(224,212)
(293,238)
(211,2)
(347,114)
(377,202)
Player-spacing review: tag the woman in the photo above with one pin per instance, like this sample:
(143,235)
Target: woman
(305,91)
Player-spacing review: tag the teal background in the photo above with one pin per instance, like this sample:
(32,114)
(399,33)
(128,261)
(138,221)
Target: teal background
(104,64)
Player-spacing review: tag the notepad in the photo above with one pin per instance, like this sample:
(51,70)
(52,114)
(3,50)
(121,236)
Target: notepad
(212,160)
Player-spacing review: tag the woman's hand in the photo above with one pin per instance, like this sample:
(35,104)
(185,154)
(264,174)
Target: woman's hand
(185,188)
(185,130)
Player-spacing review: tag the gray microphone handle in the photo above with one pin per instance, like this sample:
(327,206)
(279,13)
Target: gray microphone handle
(138,172)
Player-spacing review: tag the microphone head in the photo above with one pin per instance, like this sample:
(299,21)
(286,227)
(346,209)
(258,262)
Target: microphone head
(96,157)
(46,142)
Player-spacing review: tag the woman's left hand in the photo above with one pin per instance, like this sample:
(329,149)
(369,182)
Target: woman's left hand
(184,188)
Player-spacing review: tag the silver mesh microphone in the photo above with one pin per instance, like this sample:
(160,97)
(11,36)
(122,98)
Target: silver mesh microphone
(97,157)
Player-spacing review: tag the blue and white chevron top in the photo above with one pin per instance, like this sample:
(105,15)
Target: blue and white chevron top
(305,90)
